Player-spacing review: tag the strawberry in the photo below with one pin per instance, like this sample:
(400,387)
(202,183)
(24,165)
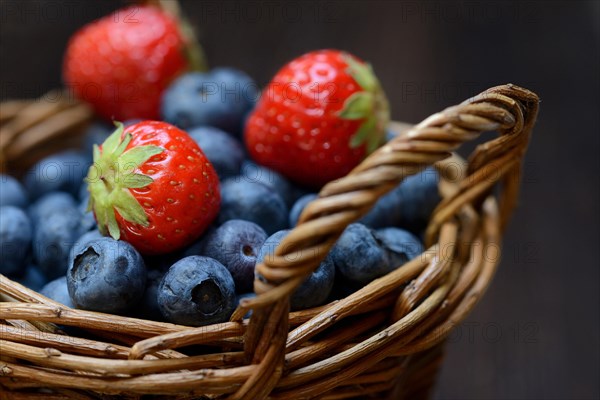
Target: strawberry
(152,186)
(122,63)
(318,118)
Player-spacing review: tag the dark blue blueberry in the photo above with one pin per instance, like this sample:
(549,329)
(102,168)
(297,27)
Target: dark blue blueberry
(235,244)
(83,194)
(218,98)
(240,297)
(88,222)
(403,246)
(62,171)
(82,242)
(15,239)
(252,201)
(299,206)
(32,278)
(409,205)
(57,290)
(108,276)
(49,204)
(96,133)
(362,254)
(257,173)
(223,151)
(12,193)
(197,291)
(149,308)
(52,240)
(315,290)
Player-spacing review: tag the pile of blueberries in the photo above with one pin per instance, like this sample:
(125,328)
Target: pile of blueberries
(50,241)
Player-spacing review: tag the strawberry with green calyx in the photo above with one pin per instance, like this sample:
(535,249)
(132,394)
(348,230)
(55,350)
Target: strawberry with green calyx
(152,186)
(318,118)
(121,64)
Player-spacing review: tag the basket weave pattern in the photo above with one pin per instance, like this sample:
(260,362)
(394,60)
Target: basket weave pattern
(385,340)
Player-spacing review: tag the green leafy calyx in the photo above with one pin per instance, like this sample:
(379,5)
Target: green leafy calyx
(111,177)
(370,105)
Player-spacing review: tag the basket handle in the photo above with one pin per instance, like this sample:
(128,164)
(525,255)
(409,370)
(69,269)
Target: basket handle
(508,109)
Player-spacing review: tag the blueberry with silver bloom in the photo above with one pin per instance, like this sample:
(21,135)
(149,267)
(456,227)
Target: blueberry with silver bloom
(53,239)
(107,275)
(57,290)
(50,203)
(236,244)
(32,277)
(252,201)
(12,193)
(223,151)
(15,239)
(197,291)
(219,98)
(259,173)
(315,290)
(62,171)
(362,254)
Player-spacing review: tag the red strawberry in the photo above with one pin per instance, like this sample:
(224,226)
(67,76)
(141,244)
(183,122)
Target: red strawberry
(152,186)
(318,118)
(122,63)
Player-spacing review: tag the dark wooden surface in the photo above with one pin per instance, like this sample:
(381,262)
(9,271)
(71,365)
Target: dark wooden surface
(535,335)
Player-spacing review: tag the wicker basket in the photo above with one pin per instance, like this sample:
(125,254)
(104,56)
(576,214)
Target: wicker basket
(384,341)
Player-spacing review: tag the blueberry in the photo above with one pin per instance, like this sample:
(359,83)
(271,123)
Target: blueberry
(218,98)
(362,254)
(53,238)
(402,245)
(15,238)
(108,276)
(299,206)
(235,244)
(82,242)
(32,278)
(62,171)
(57,290)
(409,205)
(96,133)
(197,291)
(390,135)
(83,193)
(257,173)
(88,222)
(12,193)
(252,201)
(223,151)
(48,204)
(316,288)
(149,308)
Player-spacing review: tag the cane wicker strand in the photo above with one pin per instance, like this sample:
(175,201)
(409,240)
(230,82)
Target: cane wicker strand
(385,340)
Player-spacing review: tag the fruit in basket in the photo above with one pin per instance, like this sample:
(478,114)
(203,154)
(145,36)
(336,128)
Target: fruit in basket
(197,291)
(316,288)
(122,63)
(299,206)
(12,192)
(223,151)
(59,172)
(318,117)
(152,186)
(49,203)
(273,179)
(219,98)
(107,275)
(15,239)
(236,244)
(362,254)
(252,201)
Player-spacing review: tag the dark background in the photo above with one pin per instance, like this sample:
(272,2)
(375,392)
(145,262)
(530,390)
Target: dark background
(535,334)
